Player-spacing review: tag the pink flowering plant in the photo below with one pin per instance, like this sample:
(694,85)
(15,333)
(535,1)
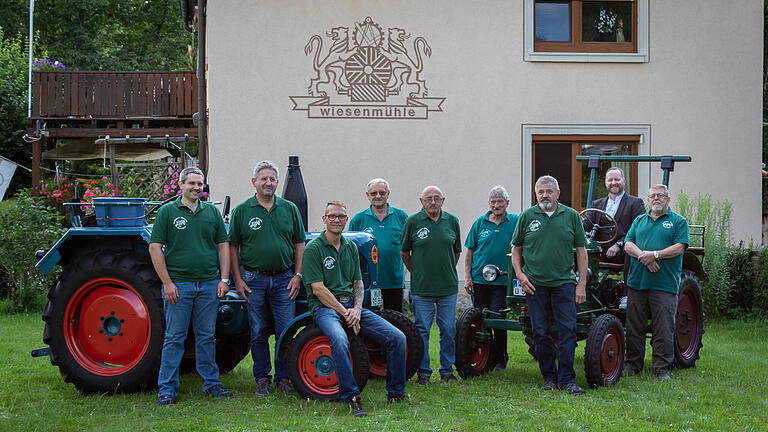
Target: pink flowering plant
(98,188)
(171,187)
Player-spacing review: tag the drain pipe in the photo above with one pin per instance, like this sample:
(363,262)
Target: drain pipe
(202,107)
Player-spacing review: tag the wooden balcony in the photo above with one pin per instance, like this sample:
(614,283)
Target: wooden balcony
(81,104)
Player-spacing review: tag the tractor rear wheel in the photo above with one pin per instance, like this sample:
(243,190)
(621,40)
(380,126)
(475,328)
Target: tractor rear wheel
(311,366)
(414,351)
(473,355)
(104,322)
(604,351)
(689,321)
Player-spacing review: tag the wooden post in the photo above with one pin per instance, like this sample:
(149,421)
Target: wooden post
(36,156)
(112,164)
(184,151)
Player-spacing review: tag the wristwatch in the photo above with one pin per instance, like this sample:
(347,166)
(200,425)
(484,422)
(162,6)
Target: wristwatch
(655,254)
(225,280)
(301,276)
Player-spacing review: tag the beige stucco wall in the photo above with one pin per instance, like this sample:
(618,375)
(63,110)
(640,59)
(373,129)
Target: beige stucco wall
(700,94)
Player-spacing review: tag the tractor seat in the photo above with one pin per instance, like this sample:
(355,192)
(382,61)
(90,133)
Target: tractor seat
(611,266)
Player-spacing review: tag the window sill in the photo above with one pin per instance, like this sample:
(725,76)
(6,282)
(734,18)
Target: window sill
(585,57)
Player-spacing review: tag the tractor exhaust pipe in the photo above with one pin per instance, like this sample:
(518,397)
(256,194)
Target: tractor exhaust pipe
(294,190)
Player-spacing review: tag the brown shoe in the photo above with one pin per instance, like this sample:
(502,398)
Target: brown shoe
(448,378)
(422,380)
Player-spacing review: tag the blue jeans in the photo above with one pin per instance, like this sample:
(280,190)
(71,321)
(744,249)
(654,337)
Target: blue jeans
(267,293)
(198,301)
(545,304)
(424,312)
(373,327)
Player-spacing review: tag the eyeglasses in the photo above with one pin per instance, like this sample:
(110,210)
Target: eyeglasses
(336,217)
(433,199)
(374,193)
(658,195)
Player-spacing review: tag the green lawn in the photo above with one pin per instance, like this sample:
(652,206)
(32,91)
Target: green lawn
(728,390)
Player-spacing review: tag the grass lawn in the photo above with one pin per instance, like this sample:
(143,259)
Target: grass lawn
(727,391)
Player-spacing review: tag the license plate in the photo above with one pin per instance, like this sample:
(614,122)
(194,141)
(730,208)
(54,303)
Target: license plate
(376,299)
(517,289)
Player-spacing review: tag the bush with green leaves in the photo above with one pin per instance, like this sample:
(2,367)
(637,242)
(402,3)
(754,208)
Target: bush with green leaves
(28,225)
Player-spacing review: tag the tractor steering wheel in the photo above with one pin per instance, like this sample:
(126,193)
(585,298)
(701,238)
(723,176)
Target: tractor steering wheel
(592,227)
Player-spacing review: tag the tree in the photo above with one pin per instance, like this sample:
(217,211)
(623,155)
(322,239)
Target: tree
(13,105)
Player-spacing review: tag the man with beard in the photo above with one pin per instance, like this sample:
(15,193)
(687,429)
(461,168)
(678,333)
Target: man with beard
(430,251)
(267,237)
(624,208)
(385,223)
(656,242)
(488,243)
(544,240)
(336,301)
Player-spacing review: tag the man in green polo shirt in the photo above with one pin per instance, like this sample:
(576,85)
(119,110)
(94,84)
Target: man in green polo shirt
(336,297)
(430,250)
(194,237)
(488,242)
(655,242)
(385,223)
(545,239)
(267,242)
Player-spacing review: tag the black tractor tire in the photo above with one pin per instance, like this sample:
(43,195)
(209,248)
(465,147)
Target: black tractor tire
(689,321)
(230,351)
(104,322)
(604,351)
(473,357)
(310,364)
(415,346)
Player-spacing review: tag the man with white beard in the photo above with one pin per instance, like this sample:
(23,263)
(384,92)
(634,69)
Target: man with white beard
(655,242)
(544,239)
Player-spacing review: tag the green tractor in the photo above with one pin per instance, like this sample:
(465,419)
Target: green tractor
(601,319)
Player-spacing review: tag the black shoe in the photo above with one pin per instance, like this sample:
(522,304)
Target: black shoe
(499,367)
(664,376)
(573,389)
(262,387)
(549,385)
(448,378)
(357,407)
(218,391)
(422,380)
(630,371)
(166,400)
(401,398)
(285,385)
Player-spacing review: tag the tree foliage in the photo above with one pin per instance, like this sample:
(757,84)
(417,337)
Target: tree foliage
(13,103)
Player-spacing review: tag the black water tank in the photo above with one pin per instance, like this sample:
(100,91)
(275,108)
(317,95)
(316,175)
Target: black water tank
(293,189)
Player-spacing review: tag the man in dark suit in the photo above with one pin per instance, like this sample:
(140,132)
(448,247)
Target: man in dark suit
(624,208)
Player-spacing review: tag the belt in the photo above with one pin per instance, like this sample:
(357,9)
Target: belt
(266,273)
(345,299)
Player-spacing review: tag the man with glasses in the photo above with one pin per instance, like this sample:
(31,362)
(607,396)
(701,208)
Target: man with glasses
(542,256)
(332,270)
(430,250)
(385,223)
(655,242)
(267,238)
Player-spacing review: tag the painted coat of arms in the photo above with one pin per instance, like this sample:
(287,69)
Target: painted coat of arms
(367,73)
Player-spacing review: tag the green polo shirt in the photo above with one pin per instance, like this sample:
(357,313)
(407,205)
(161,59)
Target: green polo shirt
(548,242)
(387,232)
(490,244)
(337,270)
(266,238)
(654,235)
(190,240)
(433,247)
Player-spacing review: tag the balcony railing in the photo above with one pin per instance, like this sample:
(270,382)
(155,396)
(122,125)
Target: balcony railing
(113,95)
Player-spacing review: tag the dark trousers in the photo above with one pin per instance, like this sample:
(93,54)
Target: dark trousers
(393,299)
(662,306)
(557,303)
(493,297)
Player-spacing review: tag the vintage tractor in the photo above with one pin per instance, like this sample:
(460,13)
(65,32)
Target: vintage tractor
(105,324)
(600,320)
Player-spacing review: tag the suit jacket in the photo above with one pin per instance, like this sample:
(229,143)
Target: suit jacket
(630,207)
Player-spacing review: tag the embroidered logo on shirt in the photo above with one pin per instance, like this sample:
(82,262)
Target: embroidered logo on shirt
(534,225)
(255,224)
(329,262)
(368,230)
(667,224)
(180,223)
(484,233)
(422,233)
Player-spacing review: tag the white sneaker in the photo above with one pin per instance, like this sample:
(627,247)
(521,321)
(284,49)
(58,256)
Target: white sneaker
(623,303)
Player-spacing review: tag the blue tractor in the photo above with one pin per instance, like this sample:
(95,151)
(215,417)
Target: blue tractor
(105,324)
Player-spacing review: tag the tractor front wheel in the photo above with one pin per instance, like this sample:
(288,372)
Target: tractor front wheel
(689,321)
(414,351)
(311,365)
(104,322)
(604,351)
(473,354)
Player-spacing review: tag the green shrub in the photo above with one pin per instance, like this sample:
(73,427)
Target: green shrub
(760,296)
(28,225)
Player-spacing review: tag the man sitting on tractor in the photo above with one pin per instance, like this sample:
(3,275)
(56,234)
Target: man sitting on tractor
(332,271)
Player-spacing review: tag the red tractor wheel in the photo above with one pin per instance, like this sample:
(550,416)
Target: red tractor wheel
(414,350)
(104,323)
(604,351)
(689,321)
(310,364)
(473,354)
